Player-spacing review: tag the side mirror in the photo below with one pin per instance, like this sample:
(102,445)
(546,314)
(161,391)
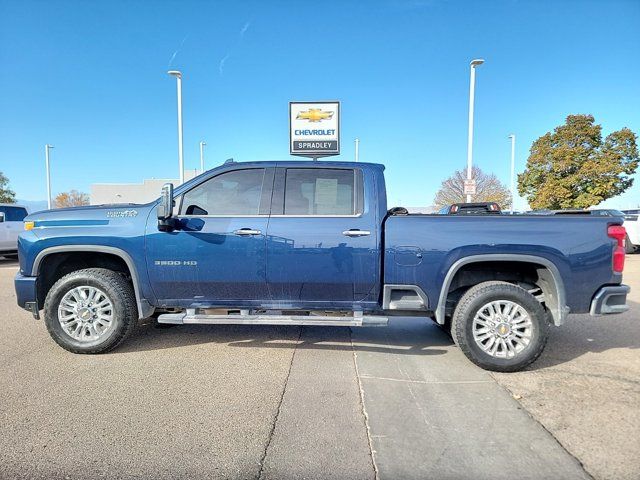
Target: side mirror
(1,217)
(165,208)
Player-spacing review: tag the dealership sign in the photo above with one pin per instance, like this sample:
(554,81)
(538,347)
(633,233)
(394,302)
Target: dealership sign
(314,129)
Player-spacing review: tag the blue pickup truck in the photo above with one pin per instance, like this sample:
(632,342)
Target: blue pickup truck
(312,243)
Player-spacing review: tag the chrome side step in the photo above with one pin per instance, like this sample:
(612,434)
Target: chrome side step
(192,316)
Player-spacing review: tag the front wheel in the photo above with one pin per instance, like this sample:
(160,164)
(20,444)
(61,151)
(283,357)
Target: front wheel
(90,311)
(500,326)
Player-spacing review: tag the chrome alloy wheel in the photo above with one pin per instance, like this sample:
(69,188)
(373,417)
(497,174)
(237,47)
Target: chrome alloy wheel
(502,328)
(86,313)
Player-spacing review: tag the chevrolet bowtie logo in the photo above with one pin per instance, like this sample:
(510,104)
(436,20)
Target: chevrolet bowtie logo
(314,115)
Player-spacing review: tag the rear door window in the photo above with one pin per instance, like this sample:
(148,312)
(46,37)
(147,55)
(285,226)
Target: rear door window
(319,191)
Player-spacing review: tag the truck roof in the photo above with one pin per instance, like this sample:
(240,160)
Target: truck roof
(12,205)
(305,163)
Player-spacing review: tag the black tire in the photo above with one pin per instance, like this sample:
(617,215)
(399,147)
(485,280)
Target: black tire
(474,300)
(119,291)
(628,246)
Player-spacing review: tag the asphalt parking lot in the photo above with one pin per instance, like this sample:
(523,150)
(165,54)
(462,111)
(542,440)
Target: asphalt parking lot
(285,402)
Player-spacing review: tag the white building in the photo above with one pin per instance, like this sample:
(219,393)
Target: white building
(144,192)
(425,210)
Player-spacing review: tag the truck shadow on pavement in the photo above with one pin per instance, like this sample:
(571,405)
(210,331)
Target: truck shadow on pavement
(580,335)
(584,334)
(418,338)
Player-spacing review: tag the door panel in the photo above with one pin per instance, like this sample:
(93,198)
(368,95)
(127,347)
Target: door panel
(217,253)
(314,250)
(206,261)
(309,260)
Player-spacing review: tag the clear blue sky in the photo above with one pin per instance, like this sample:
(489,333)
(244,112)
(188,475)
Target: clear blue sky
(90,78)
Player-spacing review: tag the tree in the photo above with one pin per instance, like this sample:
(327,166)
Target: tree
(488,189)
(6,194)
(74,198)
(574,168)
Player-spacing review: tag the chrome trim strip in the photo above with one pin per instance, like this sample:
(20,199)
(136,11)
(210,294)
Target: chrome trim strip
(267,216)
(221,216)
(317,216)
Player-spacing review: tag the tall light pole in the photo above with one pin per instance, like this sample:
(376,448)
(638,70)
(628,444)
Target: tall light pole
(513,169)
(472,88)
(357,142)
(47,147)
(178,75)
(202,144)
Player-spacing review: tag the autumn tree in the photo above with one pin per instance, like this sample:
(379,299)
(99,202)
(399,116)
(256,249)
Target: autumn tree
(6,194)
(73,198)
(572,167)
(488,189)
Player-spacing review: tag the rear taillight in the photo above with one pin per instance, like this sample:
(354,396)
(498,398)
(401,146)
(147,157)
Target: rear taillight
(618,233)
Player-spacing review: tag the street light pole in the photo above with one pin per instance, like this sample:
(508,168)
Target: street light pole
(47,147)
(202,144)
(357,149)
(513,170)
(472,88)
(178,75)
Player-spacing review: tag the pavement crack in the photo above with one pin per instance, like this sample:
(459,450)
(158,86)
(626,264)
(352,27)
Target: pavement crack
(376,473)
(426,382)
(275,418)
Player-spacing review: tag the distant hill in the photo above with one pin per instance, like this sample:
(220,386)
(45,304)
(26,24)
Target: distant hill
(33,205)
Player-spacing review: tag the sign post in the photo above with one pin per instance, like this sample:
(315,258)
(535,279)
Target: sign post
(314,129)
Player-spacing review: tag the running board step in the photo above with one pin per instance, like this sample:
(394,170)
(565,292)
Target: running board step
(192,317)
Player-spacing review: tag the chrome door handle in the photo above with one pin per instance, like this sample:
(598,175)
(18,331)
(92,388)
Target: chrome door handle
(247,232)
(356,233)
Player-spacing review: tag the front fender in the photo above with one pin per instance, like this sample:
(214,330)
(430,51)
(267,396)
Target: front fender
(145,308)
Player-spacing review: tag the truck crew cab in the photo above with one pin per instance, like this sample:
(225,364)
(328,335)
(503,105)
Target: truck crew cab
(312,243)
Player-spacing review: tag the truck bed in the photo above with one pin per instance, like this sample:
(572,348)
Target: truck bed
(422,249)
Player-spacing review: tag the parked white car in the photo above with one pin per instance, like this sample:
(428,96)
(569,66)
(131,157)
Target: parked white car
(11,217)
(632,225)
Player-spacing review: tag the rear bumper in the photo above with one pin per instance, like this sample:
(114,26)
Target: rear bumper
(27,293)
(611,299)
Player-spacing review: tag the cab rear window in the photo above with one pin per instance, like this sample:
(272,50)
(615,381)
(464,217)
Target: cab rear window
(13,214)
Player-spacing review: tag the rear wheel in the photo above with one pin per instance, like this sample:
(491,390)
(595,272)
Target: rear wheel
(500,326)
(90,311)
